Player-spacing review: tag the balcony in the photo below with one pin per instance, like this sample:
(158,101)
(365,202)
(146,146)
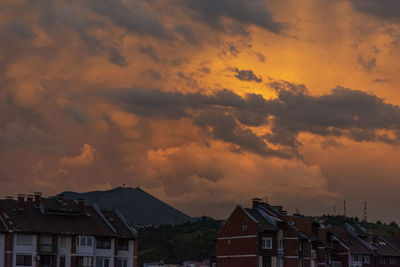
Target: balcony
(47,249)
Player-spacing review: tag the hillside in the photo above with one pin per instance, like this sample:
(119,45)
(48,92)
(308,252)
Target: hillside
(138,206)
(175,244)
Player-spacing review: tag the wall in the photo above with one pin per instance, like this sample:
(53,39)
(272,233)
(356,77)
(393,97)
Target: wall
(106,253)
(23,249)
(236,247)
(128,254)
(2,249)
(64,250)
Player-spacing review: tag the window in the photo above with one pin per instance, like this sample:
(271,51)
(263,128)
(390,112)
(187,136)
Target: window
(393,260)
(24,240)
(229,226)
(123,244)
(229,241)
(280,244)
(267,243)
(122,263)
(62,261)
(46,239)
(24,260)
(244,225)
(103,243)
(85,241)
(356,258)
(85,262)
(82,242)
(102,262)
(366,259)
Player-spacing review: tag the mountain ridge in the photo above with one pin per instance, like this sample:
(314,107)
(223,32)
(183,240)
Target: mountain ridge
(138,206)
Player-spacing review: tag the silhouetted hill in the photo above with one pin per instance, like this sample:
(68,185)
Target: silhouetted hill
(138,206)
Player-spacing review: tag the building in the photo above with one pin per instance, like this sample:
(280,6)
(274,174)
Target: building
(250,237)
(266,236)
(354,247)
(55,232)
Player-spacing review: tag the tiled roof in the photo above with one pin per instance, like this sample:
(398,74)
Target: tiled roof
(392,241)
(119,225)
(262,222)
(385,248)
(355,245)
(56,205)
(61,218)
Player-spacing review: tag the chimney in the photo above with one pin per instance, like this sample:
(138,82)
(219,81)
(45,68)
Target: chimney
(21,200)
(38,196)
(29,198)
(81,203)
(256,202)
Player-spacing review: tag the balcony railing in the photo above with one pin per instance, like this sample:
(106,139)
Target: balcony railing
(47,249)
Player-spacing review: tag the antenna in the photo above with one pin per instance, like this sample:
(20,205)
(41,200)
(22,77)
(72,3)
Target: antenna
(344,208)
(365,211)
(266,198)
(334,210)
(297,210)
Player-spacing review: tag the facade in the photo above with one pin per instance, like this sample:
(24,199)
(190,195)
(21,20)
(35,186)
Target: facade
(55,232)
(266,236)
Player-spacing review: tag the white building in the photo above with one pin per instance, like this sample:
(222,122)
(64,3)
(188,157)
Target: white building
(54,232)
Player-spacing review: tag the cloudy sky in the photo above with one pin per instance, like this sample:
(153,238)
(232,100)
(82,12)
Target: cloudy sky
(204,103)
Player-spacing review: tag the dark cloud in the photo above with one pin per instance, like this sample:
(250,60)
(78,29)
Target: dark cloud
(245,12)
(150,51)
(76,113)
(116,57)
(134,18)
(247,75)
(261,57)
(152,74)
(367,64)
(19,29)
(21,127)
(342,112)
(385,9)
(187,33)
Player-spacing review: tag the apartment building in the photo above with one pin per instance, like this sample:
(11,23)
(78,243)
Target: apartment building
(266,236)
(55,232)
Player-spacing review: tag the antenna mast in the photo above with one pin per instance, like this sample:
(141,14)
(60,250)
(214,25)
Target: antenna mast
(365,211)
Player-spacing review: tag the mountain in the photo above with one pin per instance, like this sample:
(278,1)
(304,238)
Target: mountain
(138,206)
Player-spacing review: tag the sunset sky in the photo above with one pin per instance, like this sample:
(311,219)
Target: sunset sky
(204,103)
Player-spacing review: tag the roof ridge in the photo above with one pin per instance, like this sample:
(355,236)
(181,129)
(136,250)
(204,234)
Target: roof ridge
(97,209)
(123,219)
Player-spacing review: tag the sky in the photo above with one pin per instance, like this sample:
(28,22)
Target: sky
(205,104)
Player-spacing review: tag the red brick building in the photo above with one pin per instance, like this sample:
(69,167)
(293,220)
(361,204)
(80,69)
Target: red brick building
(266,236)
